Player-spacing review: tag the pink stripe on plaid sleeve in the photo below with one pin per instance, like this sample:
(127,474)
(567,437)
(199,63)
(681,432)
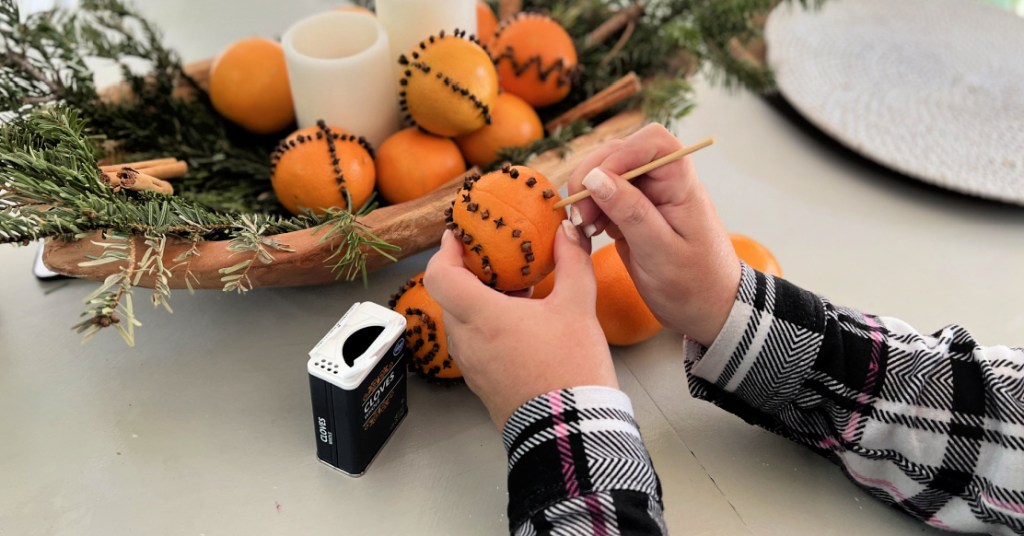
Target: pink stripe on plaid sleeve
(597,519)
(869,381)
(877,483)
(1013,507)
(562,439)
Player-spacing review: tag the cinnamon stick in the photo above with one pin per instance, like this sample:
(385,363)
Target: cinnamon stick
(131,179)
(508,9)
(620,90)
(164,168)
(168,171)
(143,164)
(612,26)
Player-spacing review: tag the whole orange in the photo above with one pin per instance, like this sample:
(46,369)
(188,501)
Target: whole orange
(536,58)
(448,85)
(507,225)
(412,163)
(425,340)
(514,123)
(486,22)
(322,167)
(623,315)
(544,287)
(249,86)
(755,254)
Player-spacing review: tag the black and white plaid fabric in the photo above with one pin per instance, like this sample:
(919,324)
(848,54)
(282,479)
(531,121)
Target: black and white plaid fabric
(577,465)
(933,424)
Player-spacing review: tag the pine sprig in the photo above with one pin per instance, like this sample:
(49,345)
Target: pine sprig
(348,259)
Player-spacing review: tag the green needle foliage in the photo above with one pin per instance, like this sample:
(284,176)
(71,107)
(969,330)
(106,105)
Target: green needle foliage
(54,127)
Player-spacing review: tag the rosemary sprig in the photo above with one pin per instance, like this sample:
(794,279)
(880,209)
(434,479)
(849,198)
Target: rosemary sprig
(348,258)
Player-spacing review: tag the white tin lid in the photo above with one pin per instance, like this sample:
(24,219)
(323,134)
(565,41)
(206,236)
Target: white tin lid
(350,350)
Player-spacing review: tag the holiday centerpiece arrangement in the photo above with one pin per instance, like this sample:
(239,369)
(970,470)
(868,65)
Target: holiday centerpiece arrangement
(290,163)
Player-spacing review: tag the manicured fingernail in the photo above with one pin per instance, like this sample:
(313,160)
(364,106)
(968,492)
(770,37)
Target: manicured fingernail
(570,231)
(590,230)
(599,184)
(575,217)
(447,233)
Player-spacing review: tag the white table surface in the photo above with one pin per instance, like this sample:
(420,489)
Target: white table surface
(204,428)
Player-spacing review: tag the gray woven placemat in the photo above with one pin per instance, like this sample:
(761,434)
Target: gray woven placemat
(931,88)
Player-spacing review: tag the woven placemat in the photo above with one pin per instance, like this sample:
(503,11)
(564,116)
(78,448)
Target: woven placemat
(933,89)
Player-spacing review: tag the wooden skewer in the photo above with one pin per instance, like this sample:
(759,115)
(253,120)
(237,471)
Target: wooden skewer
(634,173)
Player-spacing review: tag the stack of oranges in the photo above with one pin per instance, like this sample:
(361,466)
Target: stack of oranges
(466,97)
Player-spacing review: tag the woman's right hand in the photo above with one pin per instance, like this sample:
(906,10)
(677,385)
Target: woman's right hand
(665,228)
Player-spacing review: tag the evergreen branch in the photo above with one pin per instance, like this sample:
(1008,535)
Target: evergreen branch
(351,240)
(250,236)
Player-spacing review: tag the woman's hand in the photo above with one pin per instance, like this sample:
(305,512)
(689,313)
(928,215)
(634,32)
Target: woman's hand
(665,229)
(512,349)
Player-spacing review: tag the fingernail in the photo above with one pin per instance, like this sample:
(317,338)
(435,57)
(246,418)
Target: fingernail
(590,230)
(570,231)
(599,184)
(447,233)
(575,217)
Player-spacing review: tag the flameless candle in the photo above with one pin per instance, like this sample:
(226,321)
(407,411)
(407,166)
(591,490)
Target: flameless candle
(340,70)
(410,21)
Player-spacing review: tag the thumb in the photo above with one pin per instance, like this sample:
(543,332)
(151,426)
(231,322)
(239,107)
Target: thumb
(639,221)
(455,288)
(574,271)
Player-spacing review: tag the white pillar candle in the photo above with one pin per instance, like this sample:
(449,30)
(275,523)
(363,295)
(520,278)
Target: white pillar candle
(339,68)
(410,21)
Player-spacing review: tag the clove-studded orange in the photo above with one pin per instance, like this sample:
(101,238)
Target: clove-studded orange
(536,58)
(514,123)
(425,340)
(507,225)
(412,163)
(322,167)
(448,84)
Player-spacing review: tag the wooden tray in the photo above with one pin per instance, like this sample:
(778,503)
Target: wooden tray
(414,226)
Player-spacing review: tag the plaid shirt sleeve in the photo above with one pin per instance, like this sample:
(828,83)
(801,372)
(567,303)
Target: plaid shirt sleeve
(577,465)
(932,424)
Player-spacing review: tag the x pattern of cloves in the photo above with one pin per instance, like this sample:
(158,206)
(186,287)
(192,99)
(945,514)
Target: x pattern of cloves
(465,197)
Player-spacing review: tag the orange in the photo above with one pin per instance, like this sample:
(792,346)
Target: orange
(514,123)
(320,167)
(543,288)
(507,225)
(623,315)
(486,22)
(755,254)
(412,163)
(448,85)
(536,58)
(249,86)
(425,340)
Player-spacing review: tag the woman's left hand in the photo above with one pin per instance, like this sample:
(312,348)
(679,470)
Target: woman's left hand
(512,349)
